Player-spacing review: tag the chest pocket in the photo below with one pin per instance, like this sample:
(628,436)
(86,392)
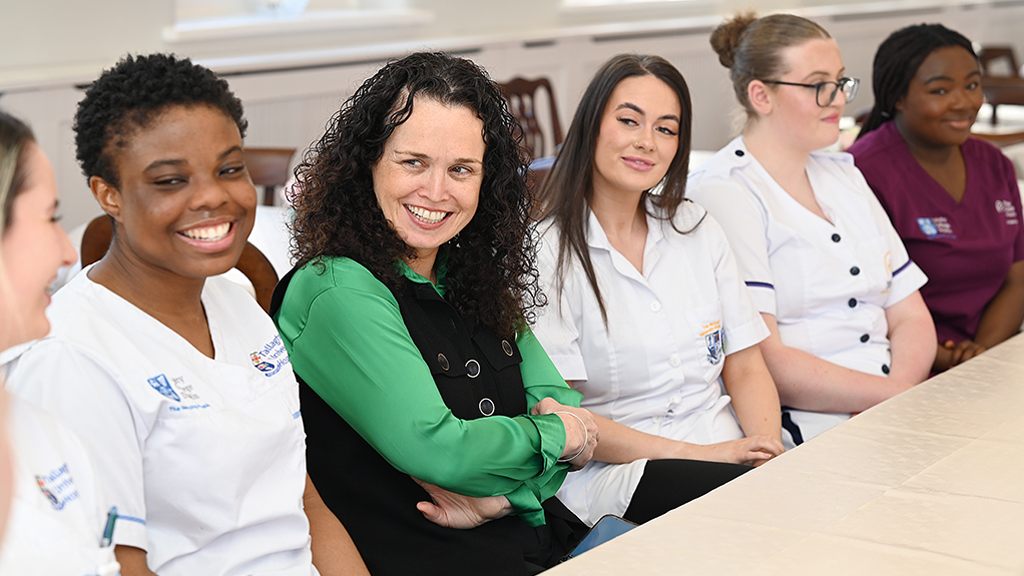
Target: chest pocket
(705,323)
(476,373)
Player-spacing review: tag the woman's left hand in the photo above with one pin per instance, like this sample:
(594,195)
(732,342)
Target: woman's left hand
(453,510)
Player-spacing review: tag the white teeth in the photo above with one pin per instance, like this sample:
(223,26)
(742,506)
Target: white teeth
(428,216)
(209,234)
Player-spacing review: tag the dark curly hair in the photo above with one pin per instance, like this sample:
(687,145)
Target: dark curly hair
(567,191)
(491,274)
(132,94)
(896,64)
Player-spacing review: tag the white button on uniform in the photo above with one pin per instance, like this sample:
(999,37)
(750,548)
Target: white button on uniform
(674,361)
(655,306)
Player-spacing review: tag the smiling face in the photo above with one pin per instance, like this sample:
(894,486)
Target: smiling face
(638,137)
(942,100)
(800,122)
(427,180)
(185,204)
(34,246)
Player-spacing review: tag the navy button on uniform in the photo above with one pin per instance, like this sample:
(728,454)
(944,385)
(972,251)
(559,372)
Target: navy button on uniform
(836,237)
(885,368)
(865,338)
(854,270)
(852,302)
(739,152)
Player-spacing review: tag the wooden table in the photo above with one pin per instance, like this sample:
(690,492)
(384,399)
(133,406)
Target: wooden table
(929,482)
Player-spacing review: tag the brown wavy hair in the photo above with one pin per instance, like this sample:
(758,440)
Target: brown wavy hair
(567,190)
(491,273)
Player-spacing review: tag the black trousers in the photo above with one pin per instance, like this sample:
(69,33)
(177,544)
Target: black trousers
(668,484)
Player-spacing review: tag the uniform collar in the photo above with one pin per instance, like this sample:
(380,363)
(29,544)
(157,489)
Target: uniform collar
(597,238)
(441,270)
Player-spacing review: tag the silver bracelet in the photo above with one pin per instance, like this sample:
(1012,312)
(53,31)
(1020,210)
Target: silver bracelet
(586,437)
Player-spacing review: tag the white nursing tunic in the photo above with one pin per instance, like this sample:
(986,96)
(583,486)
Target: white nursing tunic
(56,523)
(205,458)
(655,367)
(827,282)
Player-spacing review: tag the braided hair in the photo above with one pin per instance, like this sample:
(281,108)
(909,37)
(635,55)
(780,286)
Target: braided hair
(896,64)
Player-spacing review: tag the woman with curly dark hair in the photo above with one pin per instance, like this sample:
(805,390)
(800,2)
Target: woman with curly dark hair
(430,408)
(175,380)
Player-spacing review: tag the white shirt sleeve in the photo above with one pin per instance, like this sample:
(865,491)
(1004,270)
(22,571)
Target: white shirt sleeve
(84,395)
(745,221)
(742,321)
(555,326)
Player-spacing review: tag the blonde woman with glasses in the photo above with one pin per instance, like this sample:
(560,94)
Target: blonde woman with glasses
(828,272)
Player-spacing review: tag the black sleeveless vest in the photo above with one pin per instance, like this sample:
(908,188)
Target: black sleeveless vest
(477,375)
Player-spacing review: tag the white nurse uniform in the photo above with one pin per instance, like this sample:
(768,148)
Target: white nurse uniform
(205,457)
(56,522)
(655,367)
(827,282)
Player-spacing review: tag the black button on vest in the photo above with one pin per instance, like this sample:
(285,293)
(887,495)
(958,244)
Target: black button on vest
(739,153)
(836,238)
(854,270)
(852,302)
(865,338)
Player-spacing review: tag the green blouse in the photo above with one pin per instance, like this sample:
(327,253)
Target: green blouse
(346,338)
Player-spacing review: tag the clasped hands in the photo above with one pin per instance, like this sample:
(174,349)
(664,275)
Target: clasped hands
(457,511)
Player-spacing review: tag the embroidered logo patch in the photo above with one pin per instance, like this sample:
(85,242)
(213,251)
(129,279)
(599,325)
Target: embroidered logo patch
(936,227)
(58,486)
(712,334)
(1006,208)
(271,358)
(257,361)
(161,385)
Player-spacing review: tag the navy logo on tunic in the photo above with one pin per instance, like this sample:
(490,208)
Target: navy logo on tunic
(260,364)
(714,344)
(161,385)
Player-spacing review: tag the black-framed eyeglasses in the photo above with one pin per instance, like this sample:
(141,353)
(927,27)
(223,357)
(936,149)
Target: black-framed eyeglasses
(825,92)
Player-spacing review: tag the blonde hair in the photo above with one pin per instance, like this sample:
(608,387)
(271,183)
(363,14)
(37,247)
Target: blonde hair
(15,136)
(751,48)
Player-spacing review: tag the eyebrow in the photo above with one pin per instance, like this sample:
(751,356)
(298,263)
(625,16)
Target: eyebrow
(948,79)
(423,156)
(842,71)
(637,109)
(181,162)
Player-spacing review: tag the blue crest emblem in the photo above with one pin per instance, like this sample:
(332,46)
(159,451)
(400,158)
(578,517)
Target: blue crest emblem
(161,385)
(927,226)
(49,495)
(260,364)
(714,344)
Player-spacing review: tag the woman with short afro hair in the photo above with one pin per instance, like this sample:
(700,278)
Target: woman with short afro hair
(176,380)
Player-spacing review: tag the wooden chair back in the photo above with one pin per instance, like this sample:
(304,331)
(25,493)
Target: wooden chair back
(253,264)
(990,54)
(268,167)
(522,96)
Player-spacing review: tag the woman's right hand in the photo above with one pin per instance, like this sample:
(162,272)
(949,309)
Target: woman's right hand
(581,432)
(949,354)
(752,451)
